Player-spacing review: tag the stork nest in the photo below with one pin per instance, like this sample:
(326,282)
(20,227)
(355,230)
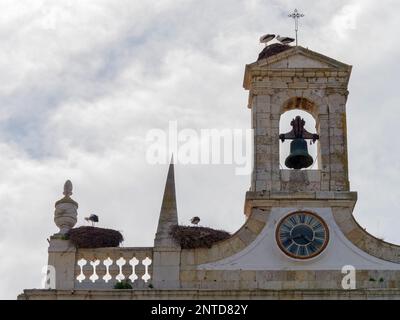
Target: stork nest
(272,50)
(197,237)
(93,237)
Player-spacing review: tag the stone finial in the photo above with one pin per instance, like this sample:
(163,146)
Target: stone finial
(67,194)
(65,214)
(67,188)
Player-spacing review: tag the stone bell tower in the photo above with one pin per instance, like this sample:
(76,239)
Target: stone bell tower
(286,78)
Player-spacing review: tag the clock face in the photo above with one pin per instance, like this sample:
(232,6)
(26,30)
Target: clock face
(302,235)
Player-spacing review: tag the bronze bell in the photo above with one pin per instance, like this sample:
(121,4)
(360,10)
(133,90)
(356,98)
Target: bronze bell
(299,157)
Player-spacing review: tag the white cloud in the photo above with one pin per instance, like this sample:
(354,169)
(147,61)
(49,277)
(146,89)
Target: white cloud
(82,83)
(346,19)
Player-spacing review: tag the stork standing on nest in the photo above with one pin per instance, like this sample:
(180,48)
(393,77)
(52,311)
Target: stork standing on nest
(267,38)
(195,220)
(284,40)
(93,218)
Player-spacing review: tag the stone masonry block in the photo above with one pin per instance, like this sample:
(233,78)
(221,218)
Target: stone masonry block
(254,225)
(246,235)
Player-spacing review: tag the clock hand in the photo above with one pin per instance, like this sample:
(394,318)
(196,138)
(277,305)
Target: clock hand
(307,238)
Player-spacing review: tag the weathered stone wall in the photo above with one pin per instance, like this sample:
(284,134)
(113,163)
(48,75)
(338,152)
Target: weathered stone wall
(283,279)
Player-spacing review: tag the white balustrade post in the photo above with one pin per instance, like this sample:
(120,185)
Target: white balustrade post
(62,257)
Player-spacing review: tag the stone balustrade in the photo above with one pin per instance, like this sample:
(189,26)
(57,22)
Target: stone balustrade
(102,268)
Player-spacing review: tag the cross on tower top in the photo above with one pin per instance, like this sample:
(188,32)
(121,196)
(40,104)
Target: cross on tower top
(296,15)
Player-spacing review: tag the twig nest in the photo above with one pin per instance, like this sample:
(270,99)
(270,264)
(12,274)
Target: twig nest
(93,237)
(197,237)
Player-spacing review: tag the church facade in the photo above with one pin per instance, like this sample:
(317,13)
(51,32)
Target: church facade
(300,239)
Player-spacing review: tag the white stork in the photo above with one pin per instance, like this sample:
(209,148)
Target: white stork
(93,218)
(284,40)
(195,220)
(267,38)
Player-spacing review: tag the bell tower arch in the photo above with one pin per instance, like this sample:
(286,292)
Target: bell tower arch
(310,125)
(295,78)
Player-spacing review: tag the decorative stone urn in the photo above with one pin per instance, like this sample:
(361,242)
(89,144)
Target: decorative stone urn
(66,212)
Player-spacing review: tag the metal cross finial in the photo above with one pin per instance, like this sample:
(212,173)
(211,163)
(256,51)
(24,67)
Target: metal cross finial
(296,16)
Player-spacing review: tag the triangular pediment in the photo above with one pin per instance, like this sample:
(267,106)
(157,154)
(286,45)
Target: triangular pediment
(295,58)
(298,58)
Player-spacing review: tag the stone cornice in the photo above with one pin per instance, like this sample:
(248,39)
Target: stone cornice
(318,198)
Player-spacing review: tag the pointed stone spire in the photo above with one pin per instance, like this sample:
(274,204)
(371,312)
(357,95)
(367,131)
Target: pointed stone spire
(168,214)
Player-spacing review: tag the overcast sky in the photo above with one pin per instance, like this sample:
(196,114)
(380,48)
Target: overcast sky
(82,82)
